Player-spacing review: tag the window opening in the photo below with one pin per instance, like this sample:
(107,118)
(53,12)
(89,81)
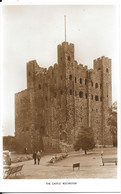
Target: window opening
(39,86)
(80,80)
(96,85)
(70,77)
(70,92)
(85,81)
(81,94)
(69,58)
(96,98)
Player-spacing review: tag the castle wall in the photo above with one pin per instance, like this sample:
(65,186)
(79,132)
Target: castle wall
(61,100)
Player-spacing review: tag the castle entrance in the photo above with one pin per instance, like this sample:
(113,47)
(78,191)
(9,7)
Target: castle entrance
(63,136)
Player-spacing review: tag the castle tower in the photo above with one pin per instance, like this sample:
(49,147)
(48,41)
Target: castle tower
(103,65)
(66,73)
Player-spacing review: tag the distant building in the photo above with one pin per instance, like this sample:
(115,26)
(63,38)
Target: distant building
(62,99)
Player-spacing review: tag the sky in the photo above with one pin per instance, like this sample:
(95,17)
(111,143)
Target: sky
(33,33)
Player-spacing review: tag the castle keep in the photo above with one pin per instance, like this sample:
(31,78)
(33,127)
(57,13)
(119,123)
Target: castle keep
(62,99)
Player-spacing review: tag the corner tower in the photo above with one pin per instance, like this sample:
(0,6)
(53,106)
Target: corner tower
(104,64)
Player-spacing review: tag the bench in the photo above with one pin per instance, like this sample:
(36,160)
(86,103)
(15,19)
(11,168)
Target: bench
(76,165)
(13,170)
(109,160)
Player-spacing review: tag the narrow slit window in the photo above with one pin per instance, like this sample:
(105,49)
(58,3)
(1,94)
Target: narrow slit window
(85,81)
(61,92)
(70,92)
(92,97)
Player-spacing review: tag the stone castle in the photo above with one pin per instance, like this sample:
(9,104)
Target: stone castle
(62,99)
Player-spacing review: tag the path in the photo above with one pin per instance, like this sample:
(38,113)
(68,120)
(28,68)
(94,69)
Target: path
(90,167)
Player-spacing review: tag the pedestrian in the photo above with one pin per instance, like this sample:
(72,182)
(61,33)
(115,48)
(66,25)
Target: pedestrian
(38,157)
(34,157)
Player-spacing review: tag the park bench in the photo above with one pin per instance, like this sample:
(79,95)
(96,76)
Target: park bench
(109,160)
(76,165)
(13,170)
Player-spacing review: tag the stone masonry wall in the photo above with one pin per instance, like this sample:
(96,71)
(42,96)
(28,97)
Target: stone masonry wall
(62,99)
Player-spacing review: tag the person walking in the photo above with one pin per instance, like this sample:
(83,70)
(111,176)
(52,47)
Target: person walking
(38,157)
(34,157)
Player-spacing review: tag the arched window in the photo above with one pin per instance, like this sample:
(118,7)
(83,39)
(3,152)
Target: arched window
(75,79)
(81,94)
(70,77)
(96,85)
(92,84)
(96,98)
(69,58)
(106,69)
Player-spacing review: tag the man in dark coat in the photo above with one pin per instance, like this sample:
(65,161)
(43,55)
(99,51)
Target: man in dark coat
(34,157)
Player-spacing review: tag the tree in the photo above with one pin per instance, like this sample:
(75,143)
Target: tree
(85,140)
(112,122)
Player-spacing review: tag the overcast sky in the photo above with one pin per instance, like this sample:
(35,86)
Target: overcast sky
(33,32)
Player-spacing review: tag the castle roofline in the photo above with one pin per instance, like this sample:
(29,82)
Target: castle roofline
(65,44)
